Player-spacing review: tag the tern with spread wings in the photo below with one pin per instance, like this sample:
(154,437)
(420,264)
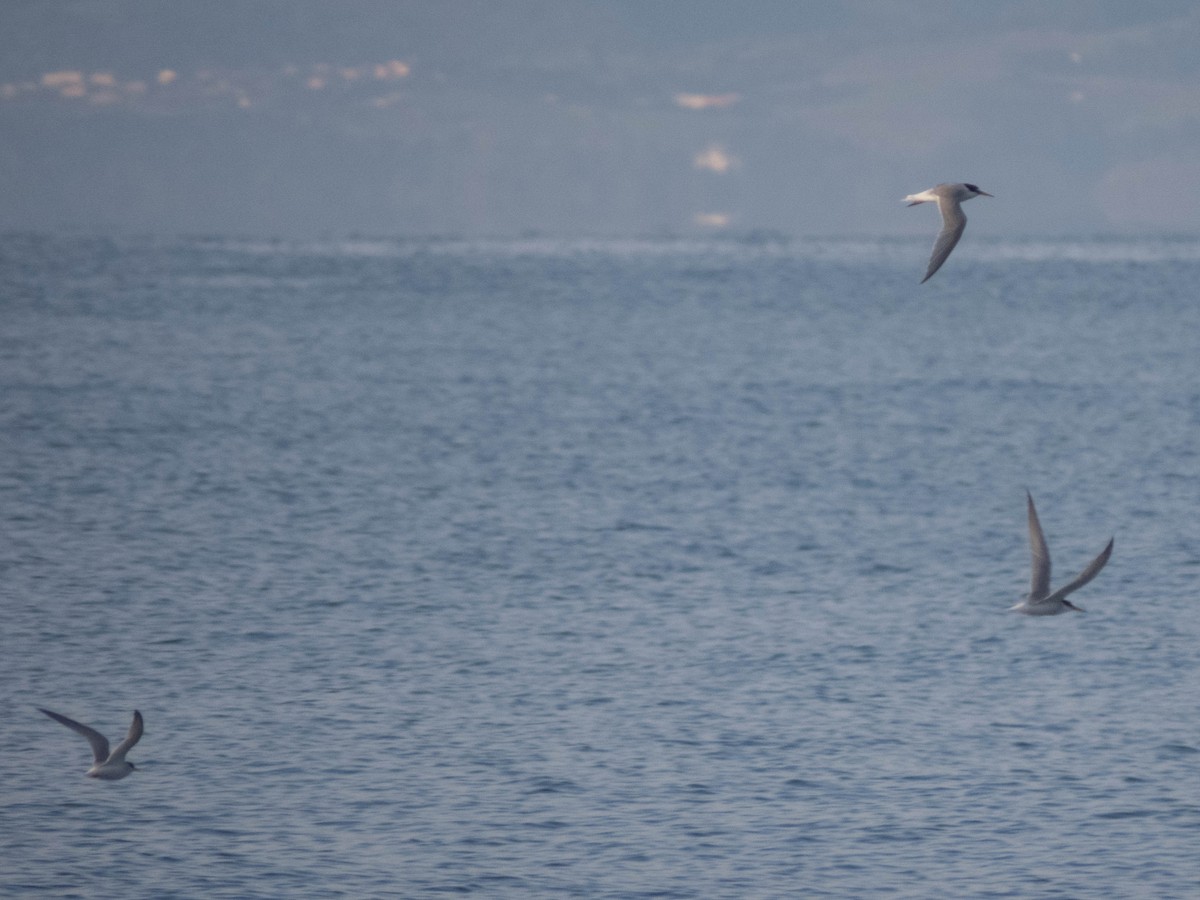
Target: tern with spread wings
(1040,601)
(949,198)
(107,766)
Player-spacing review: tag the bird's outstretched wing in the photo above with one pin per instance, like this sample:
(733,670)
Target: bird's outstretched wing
(1039,586)
(953,223)
(1086,575)
(134,735)
(98,741)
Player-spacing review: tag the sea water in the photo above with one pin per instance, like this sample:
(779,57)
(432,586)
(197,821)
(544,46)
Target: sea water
(647,568)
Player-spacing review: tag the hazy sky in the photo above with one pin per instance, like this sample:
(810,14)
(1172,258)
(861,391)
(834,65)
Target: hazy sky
(588,117)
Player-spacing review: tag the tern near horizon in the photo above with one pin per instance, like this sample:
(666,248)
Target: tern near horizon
(949,198)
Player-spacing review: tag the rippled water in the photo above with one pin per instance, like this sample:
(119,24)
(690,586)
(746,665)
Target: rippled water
(604,569)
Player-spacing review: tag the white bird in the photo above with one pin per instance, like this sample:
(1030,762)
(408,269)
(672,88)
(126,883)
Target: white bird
(949,198)
(1039,601)
(107,766)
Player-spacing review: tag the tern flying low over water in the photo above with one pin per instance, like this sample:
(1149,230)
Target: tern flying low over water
(949,198)
(1039,601)
(108,766)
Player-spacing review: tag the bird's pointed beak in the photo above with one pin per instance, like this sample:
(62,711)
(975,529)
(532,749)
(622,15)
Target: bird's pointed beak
(986,194)
(1069,605)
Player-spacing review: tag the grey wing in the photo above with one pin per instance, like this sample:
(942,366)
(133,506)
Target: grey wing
(953,223)
(134,735)
(1087,574)
(1039,586)
(98,741)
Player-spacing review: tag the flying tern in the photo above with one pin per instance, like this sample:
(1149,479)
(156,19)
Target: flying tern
(1040,601)
(107,766)
(949,198)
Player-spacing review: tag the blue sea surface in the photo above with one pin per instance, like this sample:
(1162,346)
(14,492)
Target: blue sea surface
(599,569)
